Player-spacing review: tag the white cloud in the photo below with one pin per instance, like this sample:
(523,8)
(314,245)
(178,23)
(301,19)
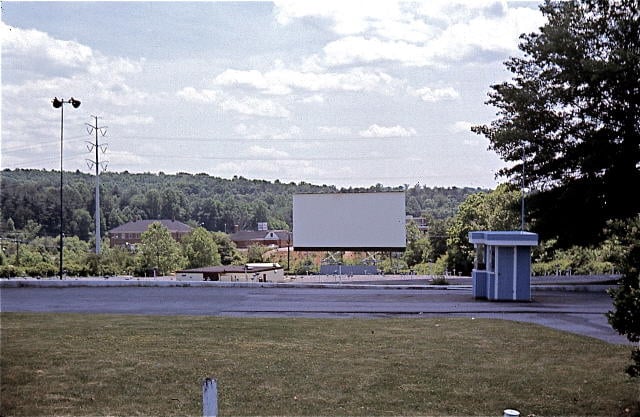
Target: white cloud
(461,130)
(267,153)
(290,170)
(201,96)
(291,132)
(131,120)
(241,129)
(416,34)
(376,131)
(38,67)
(281,81)
(433,95)
(266,132)
(40,55)
(360,49)
(126,158)
(335,130)
(253,106)
(470,139)
(39,47)
(252,78)
(313,99)
(485,36)
(347,17)
(119,93)
(461,126)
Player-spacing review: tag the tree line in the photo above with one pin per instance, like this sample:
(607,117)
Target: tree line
(30,218)
(217,204)
(29,222)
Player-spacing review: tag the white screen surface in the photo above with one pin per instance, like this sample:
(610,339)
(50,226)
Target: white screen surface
(349,221)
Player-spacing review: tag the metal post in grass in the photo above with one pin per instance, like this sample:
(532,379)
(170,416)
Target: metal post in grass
(210,398)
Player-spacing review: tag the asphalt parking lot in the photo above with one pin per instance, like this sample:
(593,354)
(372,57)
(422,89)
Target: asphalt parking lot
(581,312)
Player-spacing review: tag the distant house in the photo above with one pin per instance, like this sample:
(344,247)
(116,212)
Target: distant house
(275,238)
(421,222)
(252,272)
(131,233)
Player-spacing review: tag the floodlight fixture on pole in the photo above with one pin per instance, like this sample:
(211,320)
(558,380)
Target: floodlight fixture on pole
(59,104)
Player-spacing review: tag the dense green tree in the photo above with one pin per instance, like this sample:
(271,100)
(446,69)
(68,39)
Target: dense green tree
(137,204)
(159,251)
(206,211)
(437,235)
(81,224)
(235,212)
(76,253)
(229,254)
(277,224)
(303,266)
(495,210)
(31,230)
(153,204)
(117,260)
(413,206)
(572,110)
(418,246)
(200,249)
(255,253)
(260,213)
(173,204)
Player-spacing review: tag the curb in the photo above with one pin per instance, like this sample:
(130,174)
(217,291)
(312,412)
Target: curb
(24,283)
(27,283)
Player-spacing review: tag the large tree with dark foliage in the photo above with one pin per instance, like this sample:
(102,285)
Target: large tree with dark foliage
(571,112)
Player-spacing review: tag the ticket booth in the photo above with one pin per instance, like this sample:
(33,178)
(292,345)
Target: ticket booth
(502,267)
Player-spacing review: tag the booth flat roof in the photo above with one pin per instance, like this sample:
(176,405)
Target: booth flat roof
(504,238)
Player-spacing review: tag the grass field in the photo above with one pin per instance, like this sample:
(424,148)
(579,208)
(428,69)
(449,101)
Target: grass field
(71,364)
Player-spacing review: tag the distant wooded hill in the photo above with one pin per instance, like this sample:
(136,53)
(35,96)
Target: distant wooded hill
(32,197)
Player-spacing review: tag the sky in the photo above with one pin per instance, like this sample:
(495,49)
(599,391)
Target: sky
(343,93)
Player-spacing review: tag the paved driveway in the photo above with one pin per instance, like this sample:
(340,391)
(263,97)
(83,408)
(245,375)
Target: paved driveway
(577,312)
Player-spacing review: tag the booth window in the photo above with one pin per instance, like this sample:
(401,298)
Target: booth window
(480,263)
(490,259)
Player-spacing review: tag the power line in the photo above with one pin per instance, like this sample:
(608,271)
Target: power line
(20,148)
(31,162)
(252,139)
(282,140)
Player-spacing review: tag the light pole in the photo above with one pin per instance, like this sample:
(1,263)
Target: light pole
(57,103)
(523,196)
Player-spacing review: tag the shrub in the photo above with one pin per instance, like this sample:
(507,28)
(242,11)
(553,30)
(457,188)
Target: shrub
(430,268)
(625,317)
(41,269)
(8,271)
(441,280)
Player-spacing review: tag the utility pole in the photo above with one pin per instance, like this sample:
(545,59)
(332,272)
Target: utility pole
(523,192)
(91,162)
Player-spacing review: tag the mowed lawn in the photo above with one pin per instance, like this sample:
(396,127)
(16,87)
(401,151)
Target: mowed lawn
(73,364)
